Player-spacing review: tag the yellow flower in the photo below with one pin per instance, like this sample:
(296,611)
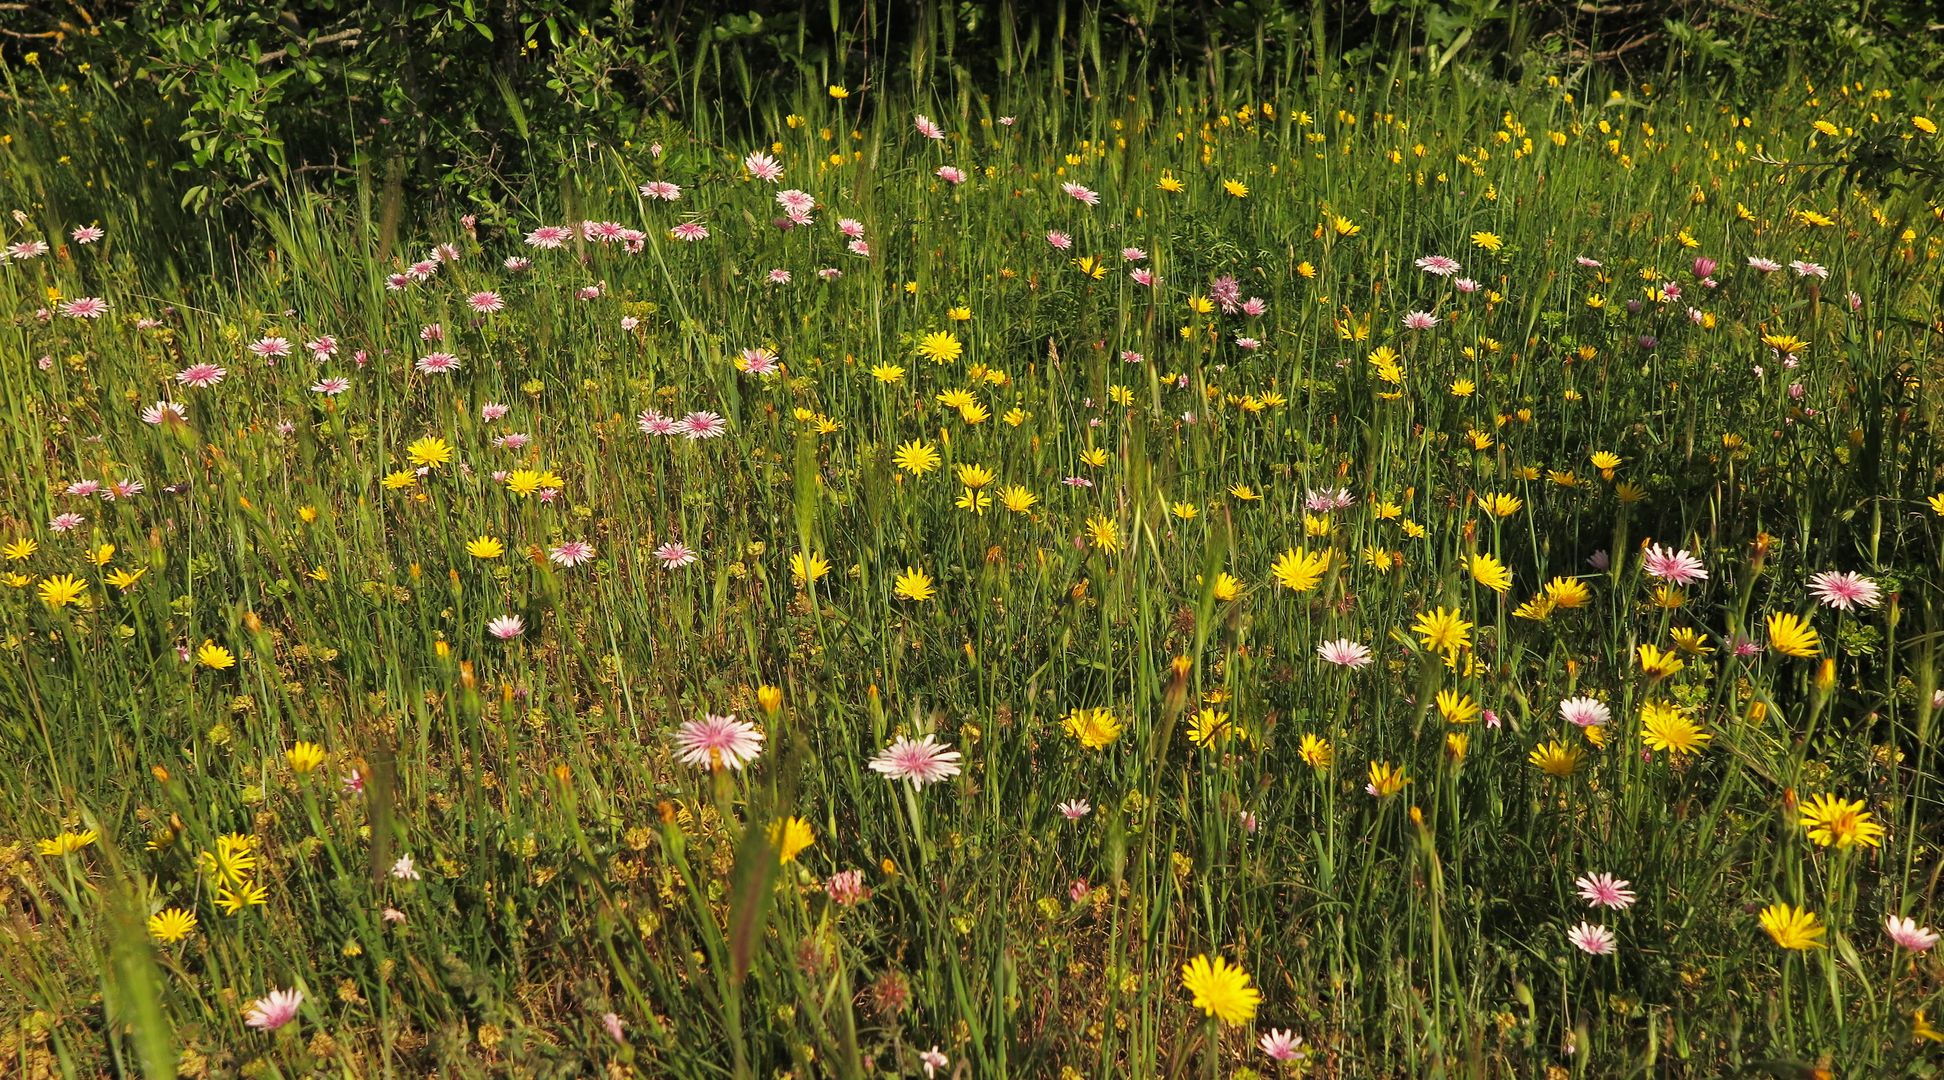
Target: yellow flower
(974,476)
(1170,185)
(1017,499)
(1443,631)
(940,347)
(916,457)
(887,373)
(429,452)
(243,895)
(1792,927)
(1790,635)
(1489,572)
(1095,729)
(485,547)
(1236,188)
(1186,511)
(1227,587)
(171,925)
(126,579)
(1556,759)
(25,547)
(100,556)
(1456,707)
(1248,494)
(1101,530)
(1316,751)
(1937,504)
(1689,640)
(808,568)
(1209,725)
(1666,728)
(1785,343)
(1221,990)
(1834,823)
(523,482)
(1566,592)
(1500,504)
(304,757)
(1920,1028)
(1385,779)
(211,655)
(1605,461)
(914,584)
(1488,241)
(838,92)
(1094,456)
(974,501)
(791,837)
(58,592)
(1659,664)
(402,478)
(1924,124)
(1299,569)
(1343,226)
(67,843)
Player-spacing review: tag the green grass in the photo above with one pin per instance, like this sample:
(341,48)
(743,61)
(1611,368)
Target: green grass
(570,866)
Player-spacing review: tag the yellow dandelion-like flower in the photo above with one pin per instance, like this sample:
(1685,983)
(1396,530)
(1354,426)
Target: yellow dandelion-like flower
(1556,759)
(485,547)
(171,925)
(791,837)
(1835,823)
(214,656)
(1665,728)
(1491,573)
(1791,635)
(1095,729)
(914,584)
(1221,990)
(1793,928)
(1300,570)
(305,757)
(1443,631)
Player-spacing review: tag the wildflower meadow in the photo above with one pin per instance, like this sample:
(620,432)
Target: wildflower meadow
(1275,574)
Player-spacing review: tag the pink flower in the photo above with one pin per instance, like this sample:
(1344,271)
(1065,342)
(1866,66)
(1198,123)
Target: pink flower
(84,488)
(1133,254)
(1325,500)
(757,361)
(445,253)
(1420,320)
(1344,653)
(200,376)
(437,363)
(485,302)
(860,248)
(1129,356)
(831,273)
(846,887)
(1585,712)
(796,203)
(931,1059)
(1465,285)
(1008,121)
(653,423)
(702,425)
(512,440)
(1081,194)
(404,869)
(1441,265)
(718,742)
(689,232)
(1604,890)
(322,347)
(1804,268)
(87,234)
(549,236)
(951,174)
(1584,261)
(1248,343)
(353,782)
(1908,935)
(1254,306)
(85,307)
(674,555)
(273,1010)
(422,271)
(571,553)
(1704,266)
(506,627)
(1279,1043)
(1845,589)
(921,761)
(167,411)
(492,411)
(1761,265)
(392,915)
(1078,890)
(1673,567)
(1142,276)
(851,227)
(1059,240)
(779,276)
(611,1023)
(926,128)
(27,249)
(589,292)
(1075,809)
(763,167)
(1592,940)
(661,189)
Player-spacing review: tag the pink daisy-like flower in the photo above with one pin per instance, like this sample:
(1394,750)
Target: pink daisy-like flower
(1129,356)
(921,761)
(1764,266)
(1593,940)
(445,253)
(718,742)
(795,201)
(1279,1043)
(1420,320)
(438,363)
(629,323)
(87,234)
(27,249)
(1254,306)
(571,552)
(422,270)
(926,128)
(1441,265)
(860,248)
(549,237)
(432,332)
(1845,590)
(653,423)
(763,167)
(1142,276)
(331,386)
(353,782)
(404,869)
(392,915)
(1008,121)
(512,440)
(1248,343)
(757,361)
(851,228)
(846,887)
(606,232)
(1081,194)
(1075,809)
(163,412)
(661,189)
(506,627)
(1326,500)
(1344,653)
(485,302)
(1060,241)
(201,376)
(397,282)
(1132,254)
(702,425)
(1676,567)
(273,1010)
(322,347)
(123,489)
(269,348)
(674,555)
(1908,935)
(779,276)
(951,174)
(689,232)
(85,307)
(1604,890)
(1804,268)
(831,273)
(1585,712)
(589,292)
(84,488)
(492,411)
(1584,261)
(611,1023)
(1465,285)
(933,1061)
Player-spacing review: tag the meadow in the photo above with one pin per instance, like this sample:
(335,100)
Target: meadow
(1367,578)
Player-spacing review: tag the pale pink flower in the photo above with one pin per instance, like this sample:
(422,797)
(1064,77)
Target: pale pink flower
(779,276)
(1279,1043)
(653,423)
(27,249)
(1465,285)
(1441,265)
(1761,265)
(611,1023)
(1248,343)
(1420,320)
(689,232)
(492,411)
(85,307)
(512,440)
(831,273)
(165,411)
(353,782)
(431,332)
(331,386)
(1326,500)
(549,236)
(200,376)
(860,248)
(422,271)
(87,234)
(485,302)
(506,627)
(1585,712)
(392,915)
(66,522)
(1059,240)
(1254,306)
(1845,590)
(926,128)
(273,1010)
(661,189)
(1142,276)
(588,292)
(1604,890)
(1676,567)
(123,489)
(397,282)
(1075,809)
(445,253)
(571,552)
(1908,935)
(1593,940)
(404,869)
(718,742)
(84,488)
(1129,356)
(951,174)
(846,887)
(702,425)
(763,167)
(1584,261)
(851,228)
(1078,891)
(322,347)
(1344,653)
(1133,254)
(933,1061)
(757,361)
(1081,193)
(795,202)
(921,761)
(1804,268)
(437,363)
(673,555)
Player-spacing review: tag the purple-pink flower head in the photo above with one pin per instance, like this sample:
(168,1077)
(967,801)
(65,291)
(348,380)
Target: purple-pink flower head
(718,742)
